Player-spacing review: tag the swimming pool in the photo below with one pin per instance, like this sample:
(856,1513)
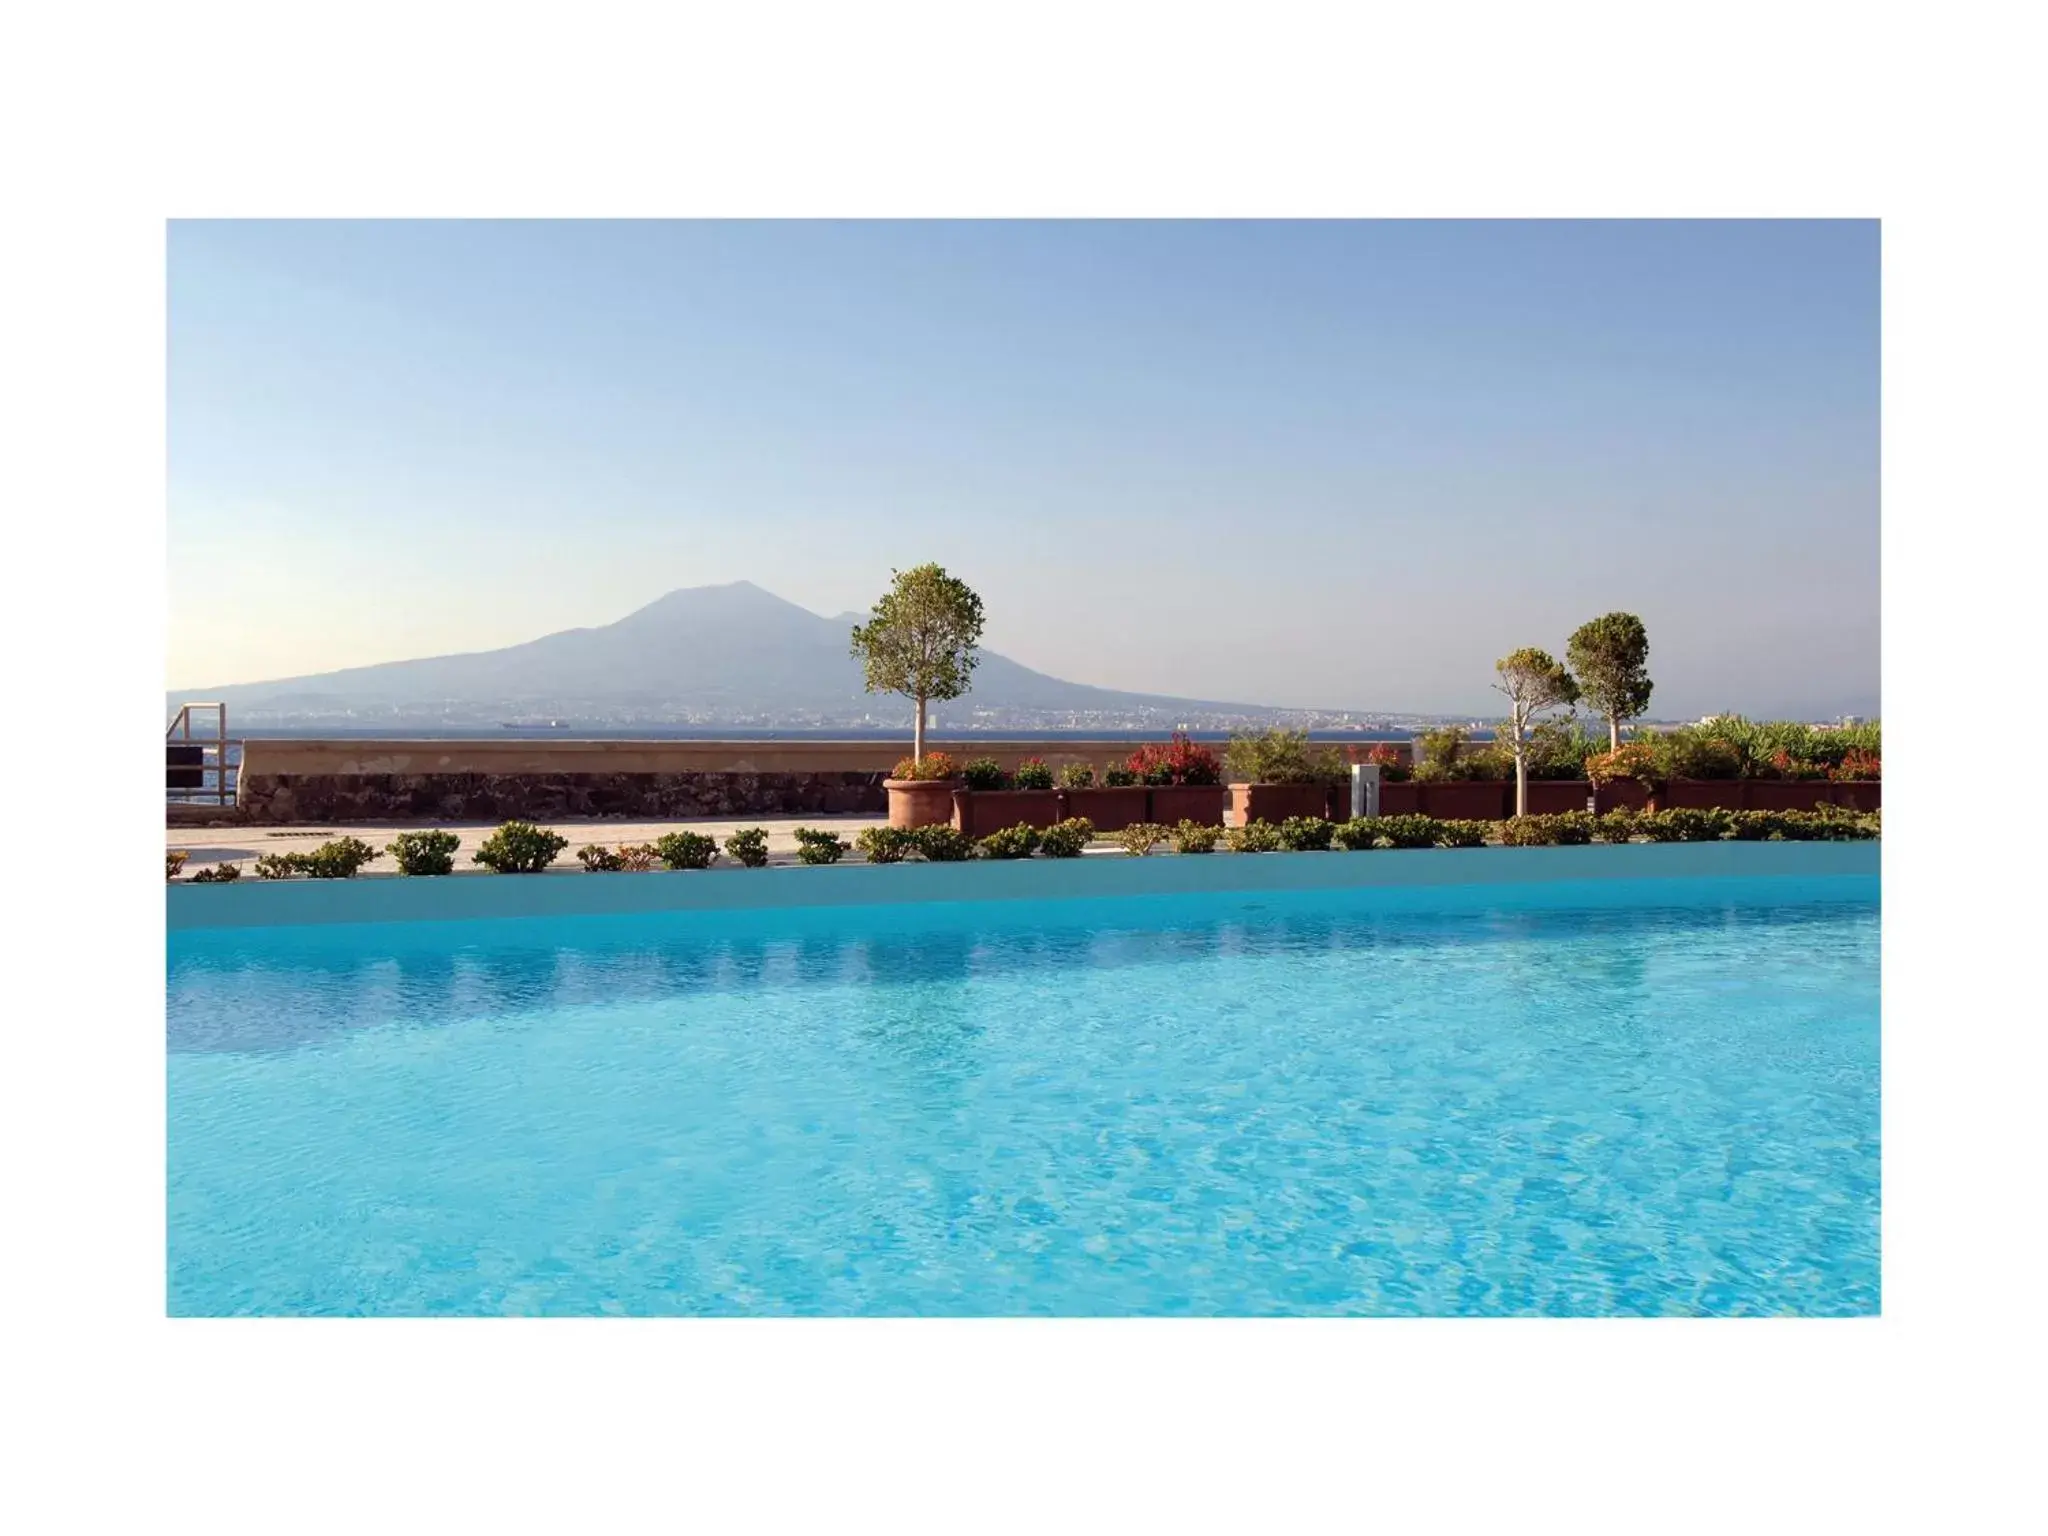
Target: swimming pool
(1258,1102)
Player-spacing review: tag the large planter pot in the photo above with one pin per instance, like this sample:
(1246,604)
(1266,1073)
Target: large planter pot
(1550,797)
(1621,795)
(920,802)
(978,812)
(1702,795)
(1110,810)
(1781,794)
(1277,802)
(1401,799)
(1202,804)
(1857,794)
(1468,799)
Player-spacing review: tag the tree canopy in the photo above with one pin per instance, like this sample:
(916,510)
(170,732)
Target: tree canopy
(921,640)
(1609,654)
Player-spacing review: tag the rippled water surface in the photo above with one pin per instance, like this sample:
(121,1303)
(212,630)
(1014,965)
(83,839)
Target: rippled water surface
(1279,1106)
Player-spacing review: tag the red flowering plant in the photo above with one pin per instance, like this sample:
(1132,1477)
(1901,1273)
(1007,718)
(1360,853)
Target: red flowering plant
(1179,761)
(1785,766)
(1858,766)
(1391,761)
(933,765)
(1638,760)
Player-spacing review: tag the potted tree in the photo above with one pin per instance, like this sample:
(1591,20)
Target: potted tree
(920,643)
(1608,656)
(1275,774)
(1533,684)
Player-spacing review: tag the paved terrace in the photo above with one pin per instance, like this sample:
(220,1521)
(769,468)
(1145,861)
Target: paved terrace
(242,844)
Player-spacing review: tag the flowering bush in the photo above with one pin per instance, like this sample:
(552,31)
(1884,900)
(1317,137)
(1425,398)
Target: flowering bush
(1858,766)
(1032,773)
(1783,765)
(934,765)
(1077,776)
(1179,761)
(1391,761)
(1637,760)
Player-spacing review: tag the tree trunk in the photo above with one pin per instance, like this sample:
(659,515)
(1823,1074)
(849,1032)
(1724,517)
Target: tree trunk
(1614,733)
(917,741)
(1521,784)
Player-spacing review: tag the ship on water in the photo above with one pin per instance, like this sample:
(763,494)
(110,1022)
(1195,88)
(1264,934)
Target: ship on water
(532,725)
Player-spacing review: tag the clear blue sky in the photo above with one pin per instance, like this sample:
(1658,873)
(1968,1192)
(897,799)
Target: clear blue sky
(1343,464)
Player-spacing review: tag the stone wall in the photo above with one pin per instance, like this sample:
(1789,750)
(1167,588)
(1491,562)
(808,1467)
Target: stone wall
(382,797)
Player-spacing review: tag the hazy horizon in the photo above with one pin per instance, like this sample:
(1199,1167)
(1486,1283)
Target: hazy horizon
(1331,465)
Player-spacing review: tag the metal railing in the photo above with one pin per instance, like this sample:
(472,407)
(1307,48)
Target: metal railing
(200,769)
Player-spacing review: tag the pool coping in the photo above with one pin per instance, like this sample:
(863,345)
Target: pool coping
(575,893)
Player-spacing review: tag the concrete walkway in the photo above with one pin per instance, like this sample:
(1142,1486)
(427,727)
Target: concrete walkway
(242,845)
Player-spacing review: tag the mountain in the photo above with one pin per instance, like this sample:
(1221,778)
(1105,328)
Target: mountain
(701,654)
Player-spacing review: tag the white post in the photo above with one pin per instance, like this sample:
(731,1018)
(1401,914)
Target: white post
(1365,789)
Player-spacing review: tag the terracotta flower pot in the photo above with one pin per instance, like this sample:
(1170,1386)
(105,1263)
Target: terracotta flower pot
(1111,810)
(1549,797)
(978,812)
(1857,794)
(1277,802)
(1468,799)
(920,802)
(1702,795)
(1622,795)
(1202,804)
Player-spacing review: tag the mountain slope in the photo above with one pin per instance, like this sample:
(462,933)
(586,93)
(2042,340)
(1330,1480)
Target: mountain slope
(732,650)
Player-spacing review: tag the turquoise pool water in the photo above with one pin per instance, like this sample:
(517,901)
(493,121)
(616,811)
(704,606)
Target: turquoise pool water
(1285,1103)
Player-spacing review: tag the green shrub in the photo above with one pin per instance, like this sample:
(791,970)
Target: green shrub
(1693,752)
(748,847)
(1357,835)
(690,850)
(1556,749)
(815,845)
(1253,837)
(885,845)
(520,848)
(1281,757)
(220,874)
(639,858)
(985,773)
(1409,831)
(1572,827)
(1616,826)
(1077,776)
(424,853)
(1140,838)
(1032,773)
(1757,826)
(942,844)
(1305,834)
(600,860)
(174,860)
(1833,824)
(1527,832)
(1010,843)
(277,866)
(1118,778)
(1066,839)
(1196,837)
(1683,824)
(1451,755)
(1461,834)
